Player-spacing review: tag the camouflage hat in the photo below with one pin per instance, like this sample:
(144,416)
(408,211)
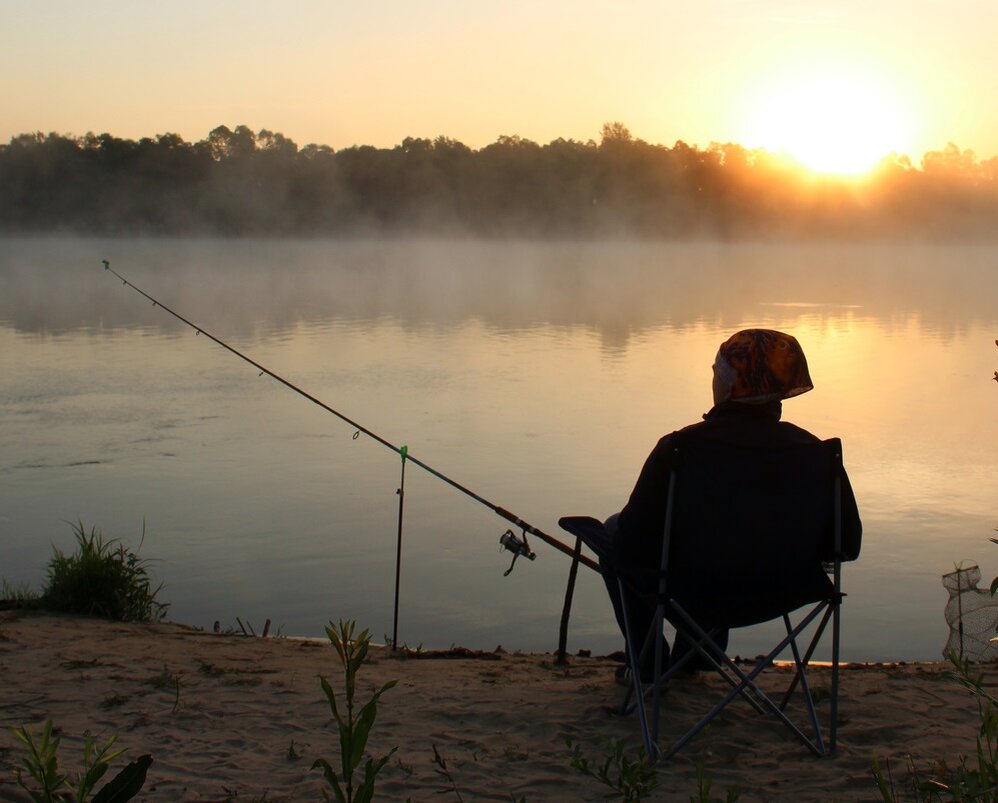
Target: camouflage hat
(761,365)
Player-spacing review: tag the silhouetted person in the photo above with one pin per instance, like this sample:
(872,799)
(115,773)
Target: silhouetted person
(754,370)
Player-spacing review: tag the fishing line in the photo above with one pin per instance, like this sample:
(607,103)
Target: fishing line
(517,545)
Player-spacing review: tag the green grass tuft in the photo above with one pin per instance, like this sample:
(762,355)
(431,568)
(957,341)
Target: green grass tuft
(102,578)
(18,596)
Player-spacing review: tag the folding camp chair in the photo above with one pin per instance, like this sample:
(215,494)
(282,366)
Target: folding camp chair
(755,546)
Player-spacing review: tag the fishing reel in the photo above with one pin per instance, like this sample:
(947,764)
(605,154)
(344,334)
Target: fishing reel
(517,545)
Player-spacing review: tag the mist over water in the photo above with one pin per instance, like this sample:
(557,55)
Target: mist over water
(539,375)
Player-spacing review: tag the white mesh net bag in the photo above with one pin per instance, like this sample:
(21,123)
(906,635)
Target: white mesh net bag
(972,616)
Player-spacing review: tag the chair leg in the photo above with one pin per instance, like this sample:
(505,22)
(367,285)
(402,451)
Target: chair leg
(742,684)
(833,612)
(834,707)
(747,681)
(805,686)
(818,633)
(651,746)
(657,624)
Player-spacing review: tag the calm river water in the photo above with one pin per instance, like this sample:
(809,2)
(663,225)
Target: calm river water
(538,375)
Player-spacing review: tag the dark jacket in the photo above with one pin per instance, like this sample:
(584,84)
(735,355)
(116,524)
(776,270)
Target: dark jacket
(747,429)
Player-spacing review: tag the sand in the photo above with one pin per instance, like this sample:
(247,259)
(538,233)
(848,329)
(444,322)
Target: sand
(230,717)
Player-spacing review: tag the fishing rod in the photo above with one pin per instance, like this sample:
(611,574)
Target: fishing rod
(508,540)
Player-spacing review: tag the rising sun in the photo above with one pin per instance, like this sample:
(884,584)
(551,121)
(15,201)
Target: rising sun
(830,121)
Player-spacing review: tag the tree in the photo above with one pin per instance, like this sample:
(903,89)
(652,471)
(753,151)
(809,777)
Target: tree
(615,132)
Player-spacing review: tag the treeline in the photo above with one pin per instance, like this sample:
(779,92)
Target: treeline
(237,182)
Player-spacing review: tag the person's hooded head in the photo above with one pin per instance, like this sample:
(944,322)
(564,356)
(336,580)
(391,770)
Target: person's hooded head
(755,366)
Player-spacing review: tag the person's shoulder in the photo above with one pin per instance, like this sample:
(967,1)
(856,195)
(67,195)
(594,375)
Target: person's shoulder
(670,441)
(687,434)
(796,433)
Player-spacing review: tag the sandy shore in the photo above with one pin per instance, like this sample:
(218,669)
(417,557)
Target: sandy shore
(235,718)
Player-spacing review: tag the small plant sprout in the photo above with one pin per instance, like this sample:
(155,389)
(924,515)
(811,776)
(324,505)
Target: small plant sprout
(443,771)
(704,784)
(354,726)
(632,779)
(47,784)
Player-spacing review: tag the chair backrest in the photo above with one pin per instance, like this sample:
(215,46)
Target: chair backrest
(750,528)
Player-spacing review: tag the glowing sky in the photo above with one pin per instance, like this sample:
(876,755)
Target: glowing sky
(906,76)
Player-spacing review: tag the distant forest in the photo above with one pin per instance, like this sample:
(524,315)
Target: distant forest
(240,183)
